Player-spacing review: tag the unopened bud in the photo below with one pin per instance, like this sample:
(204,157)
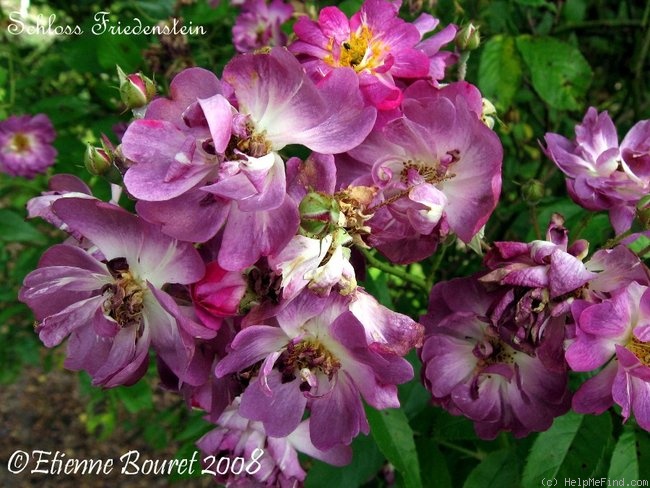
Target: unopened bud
(533,191)
(99,162)
(319,213)
(643,212)
(489,113)
(136,90)
(468,38)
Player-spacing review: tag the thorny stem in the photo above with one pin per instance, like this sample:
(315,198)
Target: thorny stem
(397,272)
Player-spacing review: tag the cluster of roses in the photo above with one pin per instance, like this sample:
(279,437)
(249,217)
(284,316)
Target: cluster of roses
(499,345)
(237,270)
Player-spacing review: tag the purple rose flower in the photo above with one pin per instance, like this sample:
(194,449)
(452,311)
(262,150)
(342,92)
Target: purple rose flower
(26,145)
(601,175)
(376,43)
(318,358)
(438,168)
(471,370)
(208,165)
(112,307)
(265,461)
(614,334)
(260,25)
(539,281)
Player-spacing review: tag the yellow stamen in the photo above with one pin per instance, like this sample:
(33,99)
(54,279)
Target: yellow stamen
(19,143)
(360,52)
(640,349)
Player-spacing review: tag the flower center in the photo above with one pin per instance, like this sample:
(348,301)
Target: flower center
(19,143)
(493,351)
(359,52)
(125,296)
(432,173)
(640,349)
(247,143)
(309,354)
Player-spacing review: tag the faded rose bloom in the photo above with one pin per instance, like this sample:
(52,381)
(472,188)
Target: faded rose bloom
(317,357)
(600,173)
(471,370)
(26,145)
(266,461)
(540,281)
(112,307)
(260,25)
(437,168)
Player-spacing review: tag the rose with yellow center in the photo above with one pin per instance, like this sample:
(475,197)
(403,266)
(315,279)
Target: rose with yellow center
(20,143)
(360,52)
(640,349)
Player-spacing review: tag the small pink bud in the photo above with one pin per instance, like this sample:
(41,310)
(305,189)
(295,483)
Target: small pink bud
(136,90)
(218,294)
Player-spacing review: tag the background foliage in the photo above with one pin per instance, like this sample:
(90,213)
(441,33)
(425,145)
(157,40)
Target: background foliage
(542,63)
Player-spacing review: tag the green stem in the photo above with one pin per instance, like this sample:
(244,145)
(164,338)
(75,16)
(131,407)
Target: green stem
(397,272)
(576,233)
(533,214)
(12,81)
(462,65)
(616,240)
(476,455)
(644,251)
(436,264)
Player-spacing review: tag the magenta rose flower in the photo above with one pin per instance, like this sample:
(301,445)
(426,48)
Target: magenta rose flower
(600,173)
(110,304)
(438,169)
(26,145)
(380,47)
(472,370)
(317,357)
(259,25)
(267,461)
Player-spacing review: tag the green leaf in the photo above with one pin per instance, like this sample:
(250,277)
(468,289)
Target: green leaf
(574,10)
(63,109)
(537,3)
(625,463)
(366,462)
(394,437)
(639,244)
(574,447)
(643,451)
(560,73)
(121,49)
(377,285)
(156,9)
(498,469)
(14,228)
(499,74)
(136,397)
(434,464)
(350,7)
